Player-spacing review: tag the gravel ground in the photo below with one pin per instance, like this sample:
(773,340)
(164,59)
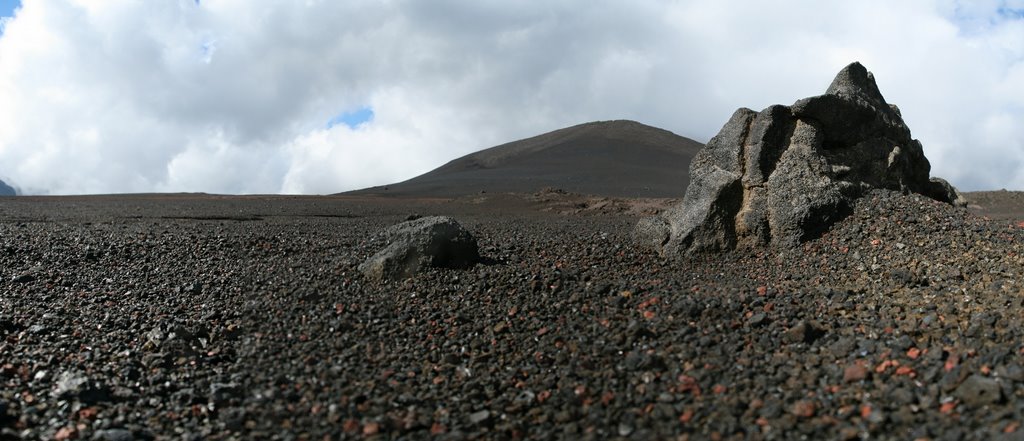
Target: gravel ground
(200,317)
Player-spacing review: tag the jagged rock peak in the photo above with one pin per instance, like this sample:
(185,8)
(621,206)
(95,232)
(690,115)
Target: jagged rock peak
(785,174)
(855,81)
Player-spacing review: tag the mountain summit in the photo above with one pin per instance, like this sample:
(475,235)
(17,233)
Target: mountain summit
(607,158)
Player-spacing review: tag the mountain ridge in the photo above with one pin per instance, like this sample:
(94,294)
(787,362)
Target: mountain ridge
(607,158)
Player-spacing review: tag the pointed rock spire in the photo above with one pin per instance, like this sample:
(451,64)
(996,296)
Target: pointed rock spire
(786,174)
(855,81)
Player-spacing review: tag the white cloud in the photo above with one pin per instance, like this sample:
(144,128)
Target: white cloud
(234,96)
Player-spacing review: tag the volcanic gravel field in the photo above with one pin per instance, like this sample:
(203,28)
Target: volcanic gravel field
(203,317)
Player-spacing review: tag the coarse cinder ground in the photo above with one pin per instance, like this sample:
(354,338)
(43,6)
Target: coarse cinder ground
(204,317)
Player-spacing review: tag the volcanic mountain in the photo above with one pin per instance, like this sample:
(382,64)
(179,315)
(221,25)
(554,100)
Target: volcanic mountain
(608,158)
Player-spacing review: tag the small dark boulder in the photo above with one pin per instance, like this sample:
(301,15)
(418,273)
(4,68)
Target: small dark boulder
(977,391)
(805,332)
(75,385)
(941,190)
(436,241)
(113,435)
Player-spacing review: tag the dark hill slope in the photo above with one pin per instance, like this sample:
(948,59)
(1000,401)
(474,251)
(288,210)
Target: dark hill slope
(608,158)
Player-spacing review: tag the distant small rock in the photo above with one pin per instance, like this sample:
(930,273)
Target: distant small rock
(76,385)
(854,372)
(480,417)
(941,190)
(786,174)
(436,241)
(221,393)
(758,319)
(113,435)
(804,332)
(803,409)
(978,390)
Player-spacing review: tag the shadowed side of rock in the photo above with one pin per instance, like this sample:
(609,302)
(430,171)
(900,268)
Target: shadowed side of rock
(786,174)
(436,241)
(941,190)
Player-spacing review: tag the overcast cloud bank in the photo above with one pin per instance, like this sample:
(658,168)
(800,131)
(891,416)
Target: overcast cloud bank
(238,96)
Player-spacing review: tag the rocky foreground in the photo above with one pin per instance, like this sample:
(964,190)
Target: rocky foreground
(190,317)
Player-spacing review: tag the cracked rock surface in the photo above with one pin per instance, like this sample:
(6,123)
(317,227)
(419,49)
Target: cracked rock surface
(784,175)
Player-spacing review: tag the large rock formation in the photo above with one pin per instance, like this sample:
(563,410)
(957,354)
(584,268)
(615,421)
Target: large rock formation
(436,241)
(786,174)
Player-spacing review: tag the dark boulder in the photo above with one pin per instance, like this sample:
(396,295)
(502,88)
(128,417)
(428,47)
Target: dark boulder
(436,241)
(785,174)
(977,391)
(75,385)
(943,191)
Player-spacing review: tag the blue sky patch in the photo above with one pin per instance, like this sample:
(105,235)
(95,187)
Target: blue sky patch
(977,19)
(1010,13)
(352,119)
(7,7)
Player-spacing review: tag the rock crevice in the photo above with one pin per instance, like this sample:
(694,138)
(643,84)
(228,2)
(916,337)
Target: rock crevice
(785,174)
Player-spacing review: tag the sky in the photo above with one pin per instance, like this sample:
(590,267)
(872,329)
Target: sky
(7,7)
(323,96)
